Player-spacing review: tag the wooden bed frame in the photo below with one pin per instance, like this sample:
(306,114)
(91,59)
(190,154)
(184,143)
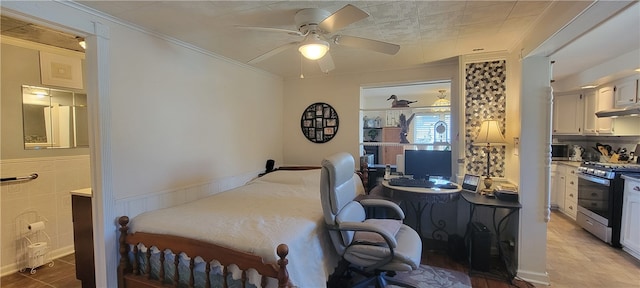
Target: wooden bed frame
(130,274)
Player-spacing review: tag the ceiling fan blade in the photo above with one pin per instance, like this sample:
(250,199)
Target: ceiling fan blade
(273,52)
(341,18)
(270,29)
(364,43)
(326,63)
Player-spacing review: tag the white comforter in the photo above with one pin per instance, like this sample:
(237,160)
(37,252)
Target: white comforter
(280,207)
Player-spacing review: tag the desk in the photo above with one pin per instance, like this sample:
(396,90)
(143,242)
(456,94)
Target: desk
(419,198)
(475,199)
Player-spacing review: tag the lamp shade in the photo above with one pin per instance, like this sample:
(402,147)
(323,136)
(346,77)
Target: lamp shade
(313,48)
(489,134)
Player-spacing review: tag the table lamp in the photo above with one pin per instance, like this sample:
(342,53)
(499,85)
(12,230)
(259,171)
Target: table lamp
(489,135)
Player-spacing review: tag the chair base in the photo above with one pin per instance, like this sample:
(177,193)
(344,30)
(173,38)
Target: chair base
(379,279)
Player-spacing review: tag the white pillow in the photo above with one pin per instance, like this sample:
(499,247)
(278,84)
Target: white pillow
(292,177)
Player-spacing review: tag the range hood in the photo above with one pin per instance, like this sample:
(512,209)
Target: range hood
(633,110)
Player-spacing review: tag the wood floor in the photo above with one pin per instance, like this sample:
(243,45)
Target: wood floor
(575,258)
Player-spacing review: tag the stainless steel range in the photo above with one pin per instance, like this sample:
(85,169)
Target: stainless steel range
(600,194)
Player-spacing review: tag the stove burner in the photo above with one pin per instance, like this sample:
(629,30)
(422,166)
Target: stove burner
(607,170)
(613,166)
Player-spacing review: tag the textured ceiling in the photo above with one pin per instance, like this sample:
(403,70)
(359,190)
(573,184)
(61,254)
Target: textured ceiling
(427,31)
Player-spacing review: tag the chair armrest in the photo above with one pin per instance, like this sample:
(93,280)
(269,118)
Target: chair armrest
(361,226)
(383,203)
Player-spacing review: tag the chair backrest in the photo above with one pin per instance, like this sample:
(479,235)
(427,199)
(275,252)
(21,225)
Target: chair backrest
(337,192)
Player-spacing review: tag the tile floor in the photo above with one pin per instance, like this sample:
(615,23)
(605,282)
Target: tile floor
(62,275)
(575,258)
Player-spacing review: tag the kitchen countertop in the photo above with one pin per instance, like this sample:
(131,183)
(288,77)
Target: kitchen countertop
(629,177)
(86,192)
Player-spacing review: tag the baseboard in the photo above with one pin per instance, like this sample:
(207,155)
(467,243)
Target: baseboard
(54,254)
(633,253)
(534,277)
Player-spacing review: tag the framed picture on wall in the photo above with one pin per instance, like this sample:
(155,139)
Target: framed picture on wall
(60,70)
(319,122)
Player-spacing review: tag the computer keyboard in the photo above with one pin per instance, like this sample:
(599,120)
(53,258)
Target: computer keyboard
(408,182)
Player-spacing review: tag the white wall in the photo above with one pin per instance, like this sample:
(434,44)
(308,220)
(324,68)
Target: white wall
(343,93)
(534,169)
(180,117)
(25,55)
(165,116)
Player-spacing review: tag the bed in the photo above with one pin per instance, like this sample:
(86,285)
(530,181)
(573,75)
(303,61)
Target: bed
(259,227)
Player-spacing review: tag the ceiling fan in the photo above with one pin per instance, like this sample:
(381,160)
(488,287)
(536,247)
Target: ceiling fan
(316,25)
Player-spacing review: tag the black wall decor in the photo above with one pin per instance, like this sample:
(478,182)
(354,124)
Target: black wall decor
(319,122)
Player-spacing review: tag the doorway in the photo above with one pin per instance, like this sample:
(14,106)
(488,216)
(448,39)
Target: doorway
(59,170)
(409,116)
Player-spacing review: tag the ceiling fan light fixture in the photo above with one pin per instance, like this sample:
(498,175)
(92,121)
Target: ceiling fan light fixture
(313,48)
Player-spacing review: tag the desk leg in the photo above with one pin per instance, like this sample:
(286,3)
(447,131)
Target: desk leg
(467,232)
(418,209)
(497,228)
(439,226)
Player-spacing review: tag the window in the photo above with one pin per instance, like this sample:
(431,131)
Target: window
(425,125)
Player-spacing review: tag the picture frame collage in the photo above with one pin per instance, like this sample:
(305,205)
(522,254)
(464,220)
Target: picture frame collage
(319,122)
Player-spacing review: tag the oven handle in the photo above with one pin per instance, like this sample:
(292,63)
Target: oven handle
(594,179)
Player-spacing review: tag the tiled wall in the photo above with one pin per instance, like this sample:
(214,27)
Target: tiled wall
(485,99)
(48,196)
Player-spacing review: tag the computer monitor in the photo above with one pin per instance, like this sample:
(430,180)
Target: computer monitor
(427,163)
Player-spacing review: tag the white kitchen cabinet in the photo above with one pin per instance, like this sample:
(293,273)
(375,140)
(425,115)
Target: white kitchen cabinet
(604,101)
(571,192)
(630,231)
(590,109)
(564,188)
(557,186)
(626,92)
(594,101)
(568,110)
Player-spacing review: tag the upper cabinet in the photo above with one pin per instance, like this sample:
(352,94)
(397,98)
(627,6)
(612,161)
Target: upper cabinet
(574,113)
(590,106)
(626,92)
(604,102)
(568,112)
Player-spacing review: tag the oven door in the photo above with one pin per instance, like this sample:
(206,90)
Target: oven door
(594,213)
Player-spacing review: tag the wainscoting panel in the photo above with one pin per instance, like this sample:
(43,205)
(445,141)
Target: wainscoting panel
(133,206)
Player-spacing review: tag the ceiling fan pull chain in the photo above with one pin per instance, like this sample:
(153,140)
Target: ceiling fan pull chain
(301,75)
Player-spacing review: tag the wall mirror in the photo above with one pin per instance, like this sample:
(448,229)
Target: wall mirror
(54,118)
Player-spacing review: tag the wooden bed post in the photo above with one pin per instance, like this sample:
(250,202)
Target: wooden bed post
(283,274)
(124,250)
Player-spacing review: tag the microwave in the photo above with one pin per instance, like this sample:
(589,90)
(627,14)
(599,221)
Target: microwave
(559,152)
